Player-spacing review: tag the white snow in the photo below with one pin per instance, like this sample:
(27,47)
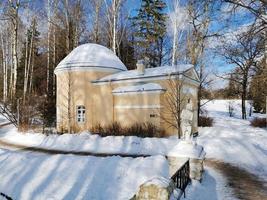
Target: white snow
(3,120)
(186,149)
(38,176)
(159,181)
(213,187)
(149,72)
(233,140)
(91,143)
(91,55)
(138,88)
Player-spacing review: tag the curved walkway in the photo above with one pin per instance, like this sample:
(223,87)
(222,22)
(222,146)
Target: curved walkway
(245,185)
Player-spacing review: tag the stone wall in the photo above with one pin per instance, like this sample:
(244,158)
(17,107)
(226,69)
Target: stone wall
(158,188)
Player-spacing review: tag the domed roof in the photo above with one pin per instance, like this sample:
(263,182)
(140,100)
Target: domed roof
(91,57)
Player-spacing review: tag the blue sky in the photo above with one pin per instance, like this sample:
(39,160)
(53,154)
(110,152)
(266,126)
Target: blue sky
(222,23)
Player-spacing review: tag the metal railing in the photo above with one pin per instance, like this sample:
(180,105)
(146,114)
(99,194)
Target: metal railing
(181,177)
(5,196)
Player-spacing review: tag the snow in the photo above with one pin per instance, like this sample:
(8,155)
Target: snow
(3,120)
(39,176)
(233,140)
(213,186)
(159,181)
(148,87)
(91,55)
(186,149)
(29,175)
(90,143)
(149,72)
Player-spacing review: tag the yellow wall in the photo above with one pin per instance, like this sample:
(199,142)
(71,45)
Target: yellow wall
(137,108)
(104,108)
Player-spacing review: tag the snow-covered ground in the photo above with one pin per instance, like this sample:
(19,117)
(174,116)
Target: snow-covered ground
(91,143)
(39,176)
(29,175)
(233,140)
(213,187)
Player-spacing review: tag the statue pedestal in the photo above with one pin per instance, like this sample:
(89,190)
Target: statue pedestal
(194,152)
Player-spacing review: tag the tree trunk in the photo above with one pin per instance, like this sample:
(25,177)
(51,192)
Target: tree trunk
(25,69)
(96,21)
(48,47)
(15,56)
(68,25)
(114,10)
(31,55)
(244,97)
(174,42)
(54,59)
(199,94)
(31,73)
(4,69)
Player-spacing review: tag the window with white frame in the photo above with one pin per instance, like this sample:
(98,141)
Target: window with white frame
(80,113)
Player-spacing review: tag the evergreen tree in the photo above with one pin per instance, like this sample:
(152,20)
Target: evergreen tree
(150,31)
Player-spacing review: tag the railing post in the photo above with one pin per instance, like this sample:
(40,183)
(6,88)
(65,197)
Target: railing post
(182,177)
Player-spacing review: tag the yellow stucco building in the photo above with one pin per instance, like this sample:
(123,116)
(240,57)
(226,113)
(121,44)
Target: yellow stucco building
(94,87)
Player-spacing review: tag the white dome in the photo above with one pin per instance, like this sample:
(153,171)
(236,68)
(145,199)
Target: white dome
(91,57)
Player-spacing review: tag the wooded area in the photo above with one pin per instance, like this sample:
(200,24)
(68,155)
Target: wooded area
(36,35)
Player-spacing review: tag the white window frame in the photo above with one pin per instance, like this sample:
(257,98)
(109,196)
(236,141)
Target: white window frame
(80,114)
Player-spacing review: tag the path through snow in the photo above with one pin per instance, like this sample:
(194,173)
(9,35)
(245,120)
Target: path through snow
(245,185)
(233,140)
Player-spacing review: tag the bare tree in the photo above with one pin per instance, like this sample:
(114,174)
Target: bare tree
(113,12)
(48,43)
(13,10)
(6,111)
(28,58)
(244,51)
(73,23)
(256,7)
(65,112)
(96,9)
(4,63)
(175,100)
(178,20)
(200,14)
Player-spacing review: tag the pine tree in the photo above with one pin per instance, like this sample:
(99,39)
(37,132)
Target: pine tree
(151,29)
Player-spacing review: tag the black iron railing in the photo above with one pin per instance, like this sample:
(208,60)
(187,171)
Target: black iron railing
(182,177)
(5,196)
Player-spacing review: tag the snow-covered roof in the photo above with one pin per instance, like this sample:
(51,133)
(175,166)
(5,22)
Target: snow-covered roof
(149,72)
(91,56)
(148,87)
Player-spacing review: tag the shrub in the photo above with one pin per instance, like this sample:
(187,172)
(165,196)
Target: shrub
(137,129)
(205,121)
(258,122)
(113,129)
(97,129)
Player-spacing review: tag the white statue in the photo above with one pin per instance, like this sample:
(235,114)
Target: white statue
(186,122)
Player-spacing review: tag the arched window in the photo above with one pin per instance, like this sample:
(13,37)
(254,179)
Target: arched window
(80,113)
